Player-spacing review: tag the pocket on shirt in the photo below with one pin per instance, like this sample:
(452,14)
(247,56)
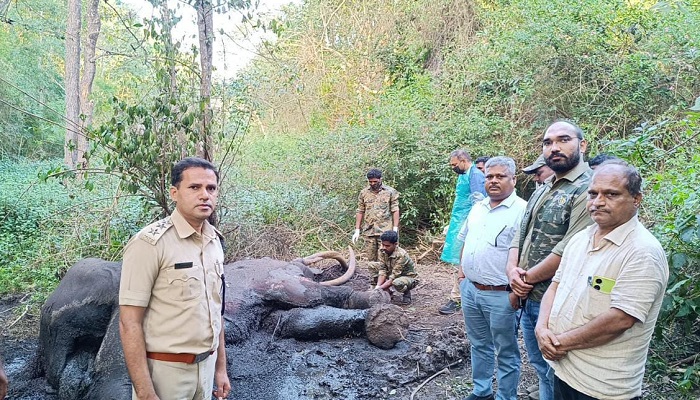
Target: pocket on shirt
(186,284)
(593,304)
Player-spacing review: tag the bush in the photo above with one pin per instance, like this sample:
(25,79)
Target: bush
(46,227)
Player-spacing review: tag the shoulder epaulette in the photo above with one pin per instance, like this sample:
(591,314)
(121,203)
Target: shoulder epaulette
(152,233)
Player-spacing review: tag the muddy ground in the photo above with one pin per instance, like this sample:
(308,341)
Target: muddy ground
(269,368)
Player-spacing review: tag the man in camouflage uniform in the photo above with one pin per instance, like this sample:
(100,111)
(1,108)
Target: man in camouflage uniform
(377,211)
(555,212)
(395,268)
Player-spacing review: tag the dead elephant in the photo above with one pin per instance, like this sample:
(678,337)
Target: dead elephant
(80,349)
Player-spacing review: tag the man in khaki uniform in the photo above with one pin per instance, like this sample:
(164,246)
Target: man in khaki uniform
(395,269)
(170,295)
(377,212)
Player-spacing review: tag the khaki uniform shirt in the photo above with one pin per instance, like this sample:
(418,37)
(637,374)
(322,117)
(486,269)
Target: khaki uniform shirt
(377,208)
(633,266)
(176,274)
(555,213)
(399,263)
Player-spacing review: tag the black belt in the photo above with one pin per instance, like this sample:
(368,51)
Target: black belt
(499,288)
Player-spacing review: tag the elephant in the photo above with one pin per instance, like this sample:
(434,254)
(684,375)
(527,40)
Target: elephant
(80,352)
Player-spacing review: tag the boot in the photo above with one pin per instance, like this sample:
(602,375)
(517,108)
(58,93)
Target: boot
(406,299)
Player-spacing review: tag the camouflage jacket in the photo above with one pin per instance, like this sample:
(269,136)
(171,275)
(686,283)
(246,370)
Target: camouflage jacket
(399,263)
(377,208)
(555,212)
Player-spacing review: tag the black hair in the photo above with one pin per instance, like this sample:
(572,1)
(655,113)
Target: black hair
(632,177)
(482,159)
(600,158)
(374,173)
(389,236)
(190,162)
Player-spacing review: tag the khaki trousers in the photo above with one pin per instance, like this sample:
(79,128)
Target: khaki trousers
(180,381)
(370,248)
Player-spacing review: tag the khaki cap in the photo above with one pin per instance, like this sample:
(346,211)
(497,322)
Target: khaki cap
(531,169)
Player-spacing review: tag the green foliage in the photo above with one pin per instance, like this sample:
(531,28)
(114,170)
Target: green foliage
(142,142)
(31,96)
(665,154)
(46,227)
(489,77)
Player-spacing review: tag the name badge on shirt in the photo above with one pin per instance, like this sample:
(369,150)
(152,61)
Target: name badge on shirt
(183,265)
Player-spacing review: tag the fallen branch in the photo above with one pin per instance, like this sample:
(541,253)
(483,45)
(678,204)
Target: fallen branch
(442,371)
(693,359)
(18,318)
(447,367)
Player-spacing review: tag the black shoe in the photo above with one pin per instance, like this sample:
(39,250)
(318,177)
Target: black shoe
(449,308)
(475,397)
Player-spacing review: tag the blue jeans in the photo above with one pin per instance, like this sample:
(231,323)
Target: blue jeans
(493,333)
(545,373)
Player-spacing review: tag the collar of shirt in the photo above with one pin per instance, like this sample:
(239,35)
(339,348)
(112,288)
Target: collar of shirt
(570,176)
(184,229)
(507,202)
(619,234)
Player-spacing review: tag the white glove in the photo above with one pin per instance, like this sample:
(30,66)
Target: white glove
(355,236)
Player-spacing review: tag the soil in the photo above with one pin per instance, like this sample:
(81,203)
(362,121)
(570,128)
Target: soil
(431,363)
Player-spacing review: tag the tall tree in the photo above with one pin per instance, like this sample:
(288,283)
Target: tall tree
(72,82)
(87,105)
(205,23)
(79,106)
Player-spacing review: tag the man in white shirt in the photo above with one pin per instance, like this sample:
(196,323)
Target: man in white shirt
(598,315)
(489,316)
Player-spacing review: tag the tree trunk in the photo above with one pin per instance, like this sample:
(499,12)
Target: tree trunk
(170,52)
(72,82)
(86,104)
(205,23)
(170,57)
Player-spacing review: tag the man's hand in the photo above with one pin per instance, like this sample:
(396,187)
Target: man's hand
(514,300)
(223,385)
(518,284)
(355,236)
(549,344)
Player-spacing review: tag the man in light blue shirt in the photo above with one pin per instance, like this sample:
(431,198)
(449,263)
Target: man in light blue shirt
(487,303)
(469,189)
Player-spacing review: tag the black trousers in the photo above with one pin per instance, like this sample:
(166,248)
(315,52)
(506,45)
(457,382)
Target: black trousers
(562,391)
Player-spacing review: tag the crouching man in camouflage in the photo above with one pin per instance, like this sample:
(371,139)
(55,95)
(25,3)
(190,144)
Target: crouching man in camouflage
(395,269)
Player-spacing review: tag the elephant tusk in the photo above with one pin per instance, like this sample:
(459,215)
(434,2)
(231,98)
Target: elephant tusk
(349,269)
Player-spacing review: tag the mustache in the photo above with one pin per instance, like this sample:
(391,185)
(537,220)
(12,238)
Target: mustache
(557,155)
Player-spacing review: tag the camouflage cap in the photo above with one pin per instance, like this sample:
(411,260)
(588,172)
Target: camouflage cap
(531,169)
